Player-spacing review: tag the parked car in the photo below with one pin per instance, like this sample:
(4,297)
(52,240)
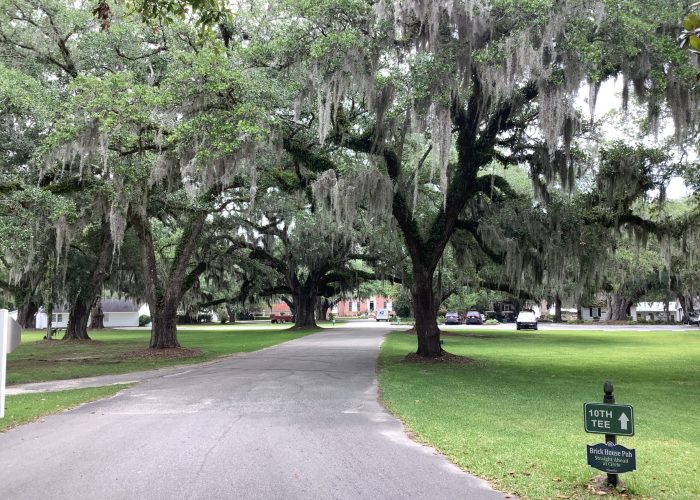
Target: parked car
(452,318)
(474,318)
(526,319)
(282,317)
(382,315)
(692,318)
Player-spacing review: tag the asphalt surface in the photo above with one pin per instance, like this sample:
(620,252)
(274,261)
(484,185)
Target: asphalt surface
(299,420)
(588,326)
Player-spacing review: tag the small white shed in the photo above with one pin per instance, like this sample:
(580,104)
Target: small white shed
(592,313)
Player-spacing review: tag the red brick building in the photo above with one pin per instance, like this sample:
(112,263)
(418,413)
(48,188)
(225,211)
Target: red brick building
(350,308)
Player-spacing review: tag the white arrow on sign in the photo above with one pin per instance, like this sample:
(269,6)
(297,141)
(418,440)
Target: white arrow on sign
(624,419)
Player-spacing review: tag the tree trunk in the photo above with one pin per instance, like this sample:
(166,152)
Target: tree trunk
(557,309)
(164,298)
(318,308)
(325,306)
(78,320)
(231,313)
(24,293)
(26,314)
(305,302)
(49,322)
(425,309)
(80,310)
(618,305)
(164,326)
(97,316)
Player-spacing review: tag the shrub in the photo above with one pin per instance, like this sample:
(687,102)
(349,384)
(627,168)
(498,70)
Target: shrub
(144,319)
(402,304)
(491,322)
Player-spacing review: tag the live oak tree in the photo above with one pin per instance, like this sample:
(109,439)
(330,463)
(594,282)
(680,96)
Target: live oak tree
(480,80)
(39,38)
(394,106)
(157,117)
(27,206)
(311,255)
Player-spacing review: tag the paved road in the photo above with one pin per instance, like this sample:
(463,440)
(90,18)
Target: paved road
(574,327)
(298,420)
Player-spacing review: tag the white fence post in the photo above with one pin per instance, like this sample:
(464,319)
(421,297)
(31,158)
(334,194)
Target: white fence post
(10,336)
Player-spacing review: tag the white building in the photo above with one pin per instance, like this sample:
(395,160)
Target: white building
(593,313)
(651,311)
(117,313)
(59,318)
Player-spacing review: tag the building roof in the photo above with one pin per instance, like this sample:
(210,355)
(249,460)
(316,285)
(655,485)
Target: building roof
(119,306)
(654,306)
(108,306)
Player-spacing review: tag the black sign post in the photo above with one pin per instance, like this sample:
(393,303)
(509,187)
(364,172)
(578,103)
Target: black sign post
(612,420)
(610,438)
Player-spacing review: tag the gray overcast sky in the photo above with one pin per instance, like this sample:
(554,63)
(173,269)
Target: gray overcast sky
(610,99)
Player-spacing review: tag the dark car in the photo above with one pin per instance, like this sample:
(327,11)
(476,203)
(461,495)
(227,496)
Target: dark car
(452,318)
(526,319)
(473,318)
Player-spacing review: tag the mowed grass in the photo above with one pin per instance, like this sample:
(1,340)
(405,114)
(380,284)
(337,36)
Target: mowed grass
(516,416)
(37,360)
(24,408)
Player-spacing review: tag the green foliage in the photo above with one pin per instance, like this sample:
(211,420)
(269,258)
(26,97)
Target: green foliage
(144,319)
(402,304)
(234,116)
(207,13)
(690,36)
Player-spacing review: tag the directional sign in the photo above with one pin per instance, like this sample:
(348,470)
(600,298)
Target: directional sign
(602,418)
(611,458)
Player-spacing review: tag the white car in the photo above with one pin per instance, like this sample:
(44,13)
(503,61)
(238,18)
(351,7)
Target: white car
(382,315)
(526,319)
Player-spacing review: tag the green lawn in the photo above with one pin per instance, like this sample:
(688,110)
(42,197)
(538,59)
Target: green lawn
(25,408)
(36,360)
(516,417)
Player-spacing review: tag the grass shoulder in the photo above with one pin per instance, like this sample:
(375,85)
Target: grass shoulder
(112,352)
(515,416)
(24,408)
